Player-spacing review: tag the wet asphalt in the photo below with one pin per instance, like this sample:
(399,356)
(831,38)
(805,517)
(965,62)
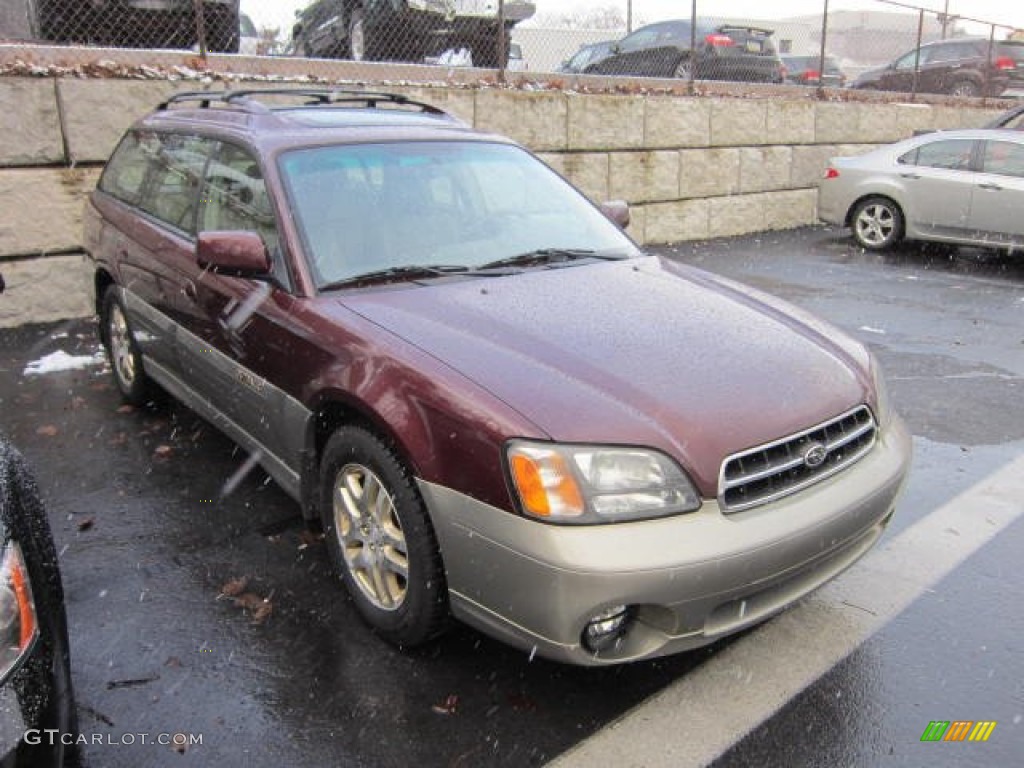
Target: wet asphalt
(283,673)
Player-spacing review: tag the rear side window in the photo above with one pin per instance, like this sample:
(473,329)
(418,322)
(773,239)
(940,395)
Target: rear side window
(158,173)
(954,154)
(175,172)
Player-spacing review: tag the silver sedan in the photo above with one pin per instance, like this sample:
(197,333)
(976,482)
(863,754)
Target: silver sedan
(964,187)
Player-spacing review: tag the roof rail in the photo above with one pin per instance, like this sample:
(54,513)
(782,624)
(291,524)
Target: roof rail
(246,99)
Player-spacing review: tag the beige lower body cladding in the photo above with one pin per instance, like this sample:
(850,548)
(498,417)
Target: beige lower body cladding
(691,167)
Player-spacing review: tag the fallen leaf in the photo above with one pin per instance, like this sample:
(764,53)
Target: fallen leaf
(99,386)
(248,600)
(162,451)
(262,612)
(86,524)
(449,707)
(126,408)
(77,402)
(118,439)
(172,661)
(47,430)
(235,587)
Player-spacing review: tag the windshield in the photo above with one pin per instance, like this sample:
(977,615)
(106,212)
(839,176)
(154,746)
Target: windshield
(368,207)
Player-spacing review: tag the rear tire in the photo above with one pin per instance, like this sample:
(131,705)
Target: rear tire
(877,223)
(123,352)
(380,538)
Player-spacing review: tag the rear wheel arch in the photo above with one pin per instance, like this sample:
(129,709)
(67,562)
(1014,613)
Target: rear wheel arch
(877,222)
(102,280)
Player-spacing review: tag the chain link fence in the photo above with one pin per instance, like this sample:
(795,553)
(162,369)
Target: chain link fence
(559,39)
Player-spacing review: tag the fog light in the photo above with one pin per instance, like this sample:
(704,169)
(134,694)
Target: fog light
(605,628)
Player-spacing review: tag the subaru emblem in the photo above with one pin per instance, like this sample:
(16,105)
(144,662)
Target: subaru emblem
(815,455)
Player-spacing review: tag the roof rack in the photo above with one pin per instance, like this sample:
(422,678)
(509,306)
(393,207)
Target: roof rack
(311,96)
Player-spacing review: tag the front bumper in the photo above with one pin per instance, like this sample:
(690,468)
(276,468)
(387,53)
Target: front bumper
(689,580)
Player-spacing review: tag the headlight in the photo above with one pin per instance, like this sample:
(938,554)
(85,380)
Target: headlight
(597,484)
(18,627)
(881,404)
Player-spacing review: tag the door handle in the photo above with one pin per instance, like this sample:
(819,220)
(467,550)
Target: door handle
(990,185)
(911,175)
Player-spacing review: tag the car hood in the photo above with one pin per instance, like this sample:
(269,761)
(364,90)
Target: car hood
(635,352)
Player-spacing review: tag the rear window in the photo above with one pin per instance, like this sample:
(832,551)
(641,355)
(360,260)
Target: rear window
(750,40)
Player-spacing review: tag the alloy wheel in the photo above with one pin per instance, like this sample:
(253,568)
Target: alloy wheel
(370,536)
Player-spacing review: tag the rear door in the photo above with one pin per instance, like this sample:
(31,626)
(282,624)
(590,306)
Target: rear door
(938,183)
(997,204)
(952,62)
(152,184)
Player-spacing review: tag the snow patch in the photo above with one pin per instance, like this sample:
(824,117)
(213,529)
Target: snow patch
(62,361)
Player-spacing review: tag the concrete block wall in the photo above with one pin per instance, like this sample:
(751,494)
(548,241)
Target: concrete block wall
(690,167)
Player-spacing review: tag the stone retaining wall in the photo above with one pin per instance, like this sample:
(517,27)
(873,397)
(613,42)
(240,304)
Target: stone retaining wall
(691,167)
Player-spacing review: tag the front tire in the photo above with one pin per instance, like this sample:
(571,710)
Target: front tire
(123,352)
(877,223)
(965,89)
(380,538)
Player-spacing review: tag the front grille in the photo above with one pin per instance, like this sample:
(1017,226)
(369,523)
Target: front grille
(786,466)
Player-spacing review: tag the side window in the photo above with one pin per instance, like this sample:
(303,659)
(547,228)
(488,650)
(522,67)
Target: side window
(176,165)
(1005,158)
(951,155)
(125,172)
(907,60)
(234,197)
(949,52)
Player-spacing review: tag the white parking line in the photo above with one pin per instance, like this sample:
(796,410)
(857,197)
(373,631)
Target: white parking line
(695,720)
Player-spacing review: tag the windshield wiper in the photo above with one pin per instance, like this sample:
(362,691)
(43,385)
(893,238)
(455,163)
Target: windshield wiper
(548,256)
(404,272)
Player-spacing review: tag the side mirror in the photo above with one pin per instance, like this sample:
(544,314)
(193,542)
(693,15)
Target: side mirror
(238,254)
(2,283)
(617,211)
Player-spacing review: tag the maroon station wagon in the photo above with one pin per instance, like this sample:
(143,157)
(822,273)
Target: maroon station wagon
(498,407)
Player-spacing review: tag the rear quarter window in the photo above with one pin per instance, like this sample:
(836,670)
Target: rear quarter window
(125,173)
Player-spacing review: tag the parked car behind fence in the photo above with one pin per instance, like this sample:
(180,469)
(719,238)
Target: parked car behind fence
(140,23)
(961,66)
(808,70)
(397,30)
(711,52)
